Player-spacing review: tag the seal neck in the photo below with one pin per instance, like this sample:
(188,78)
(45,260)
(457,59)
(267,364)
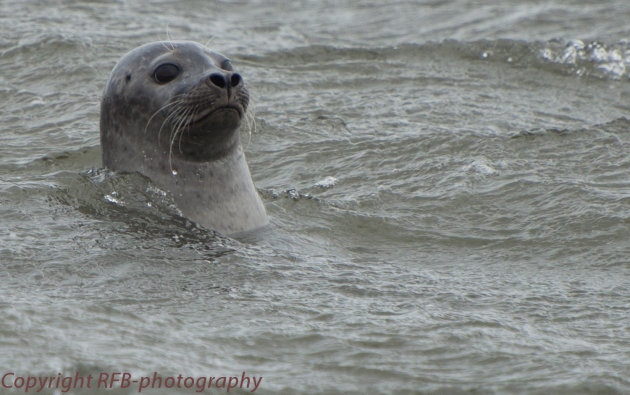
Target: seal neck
(218,194)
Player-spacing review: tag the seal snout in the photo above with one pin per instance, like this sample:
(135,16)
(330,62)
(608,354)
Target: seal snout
(228,81)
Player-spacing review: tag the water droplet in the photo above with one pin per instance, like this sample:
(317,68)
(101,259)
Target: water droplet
(174,172)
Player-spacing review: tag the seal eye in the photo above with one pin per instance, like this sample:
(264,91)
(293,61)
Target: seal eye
(166,72)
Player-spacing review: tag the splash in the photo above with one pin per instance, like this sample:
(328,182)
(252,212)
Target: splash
(593,58)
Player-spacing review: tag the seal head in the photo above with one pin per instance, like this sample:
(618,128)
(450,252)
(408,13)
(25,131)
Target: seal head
(171,111)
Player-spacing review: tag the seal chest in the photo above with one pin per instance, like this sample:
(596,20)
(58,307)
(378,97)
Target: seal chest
(171,111)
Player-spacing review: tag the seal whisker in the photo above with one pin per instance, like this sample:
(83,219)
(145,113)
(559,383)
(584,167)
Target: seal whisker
(250,119)
(182,124)
(175,101)
(186,124)
(208,42)
(169,119)
(169,45)
(177,129)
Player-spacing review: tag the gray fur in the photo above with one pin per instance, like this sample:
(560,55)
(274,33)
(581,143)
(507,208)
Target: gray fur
(183,134)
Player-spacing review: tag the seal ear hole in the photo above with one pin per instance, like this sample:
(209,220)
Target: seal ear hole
(166,72)
(128,78)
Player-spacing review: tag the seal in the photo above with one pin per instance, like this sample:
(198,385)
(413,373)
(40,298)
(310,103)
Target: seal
(171,111)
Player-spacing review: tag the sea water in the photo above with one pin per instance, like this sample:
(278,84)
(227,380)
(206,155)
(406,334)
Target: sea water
(448,184)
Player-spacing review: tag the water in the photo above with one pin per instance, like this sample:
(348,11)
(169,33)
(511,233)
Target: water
(448,184)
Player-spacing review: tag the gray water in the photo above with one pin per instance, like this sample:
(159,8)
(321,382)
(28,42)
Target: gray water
(448,182)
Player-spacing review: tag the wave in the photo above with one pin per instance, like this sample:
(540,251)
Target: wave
(570,57)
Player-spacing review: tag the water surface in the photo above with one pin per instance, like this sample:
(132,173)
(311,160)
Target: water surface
(448,184)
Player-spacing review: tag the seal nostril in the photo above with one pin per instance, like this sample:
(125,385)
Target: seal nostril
(218,80)
(236,79)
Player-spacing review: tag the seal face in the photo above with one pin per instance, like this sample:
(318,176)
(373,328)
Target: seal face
(171,111)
